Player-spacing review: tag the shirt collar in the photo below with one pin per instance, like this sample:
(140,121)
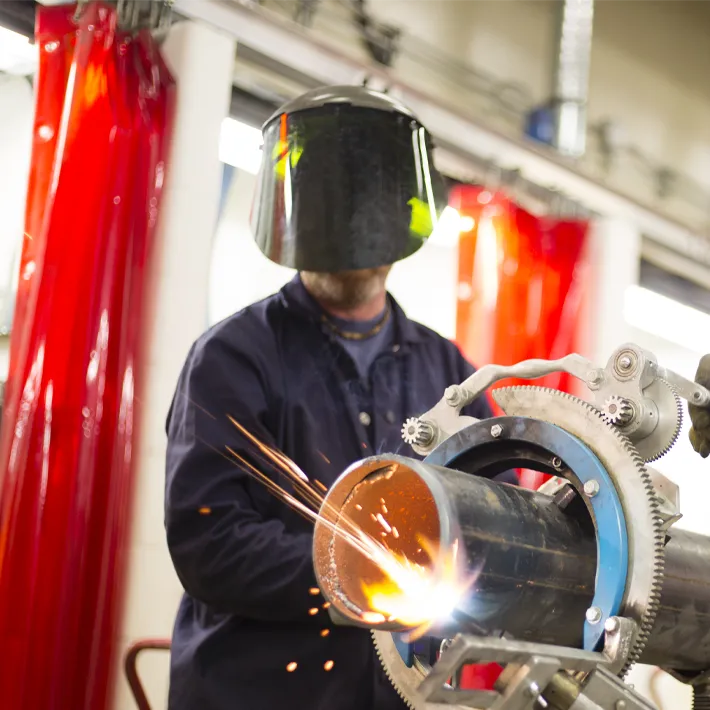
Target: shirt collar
(300,302)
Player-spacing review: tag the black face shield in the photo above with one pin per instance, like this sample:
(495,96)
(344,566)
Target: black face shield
(346,182)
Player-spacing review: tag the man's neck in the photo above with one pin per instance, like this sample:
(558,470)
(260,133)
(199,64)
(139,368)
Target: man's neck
(363,312)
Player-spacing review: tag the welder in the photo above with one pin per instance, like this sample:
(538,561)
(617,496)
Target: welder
(326,371)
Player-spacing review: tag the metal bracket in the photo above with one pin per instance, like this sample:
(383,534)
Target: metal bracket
(532,669)
(134,15)
(632,374)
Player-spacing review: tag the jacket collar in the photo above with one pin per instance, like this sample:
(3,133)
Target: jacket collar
(298,301)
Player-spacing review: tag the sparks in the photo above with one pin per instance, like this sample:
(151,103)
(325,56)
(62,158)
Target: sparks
(291,667)
(383,523)
(204,511)
(408,592)
(328,665)
(372,617)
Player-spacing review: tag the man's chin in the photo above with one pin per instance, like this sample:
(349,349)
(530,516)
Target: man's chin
(346,289)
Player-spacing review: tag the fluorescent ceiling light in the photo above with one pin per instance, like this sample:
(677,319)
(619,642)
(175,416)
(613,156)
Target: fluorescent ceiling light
(17,54)
(668,319)
(240,145)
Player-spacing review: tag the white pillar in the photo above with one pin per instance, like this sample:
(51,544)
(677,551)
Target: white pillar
(614,251)
(15,152)
(202,62)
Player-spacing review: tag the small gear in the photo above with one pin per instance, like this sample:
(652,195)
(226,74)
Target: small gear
(416,432)
(666,433)
(617,410)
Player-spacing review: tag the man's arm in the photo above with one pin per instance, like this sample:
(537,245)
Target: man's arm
(225,552)
(700,416)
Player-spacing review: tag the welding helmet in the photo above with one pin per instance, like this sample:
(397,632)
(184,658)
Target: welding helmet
(346,182)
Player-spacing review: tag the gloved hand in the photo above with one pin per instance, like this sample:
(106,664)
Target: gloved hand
(700,416)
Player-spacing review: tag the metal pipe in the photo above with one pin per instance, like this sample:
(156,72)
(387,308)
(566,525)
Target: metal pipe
(537,562)
(571,82)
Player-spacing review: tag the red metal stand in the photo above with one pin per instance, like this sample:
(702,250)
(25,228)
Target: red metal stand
(130,665)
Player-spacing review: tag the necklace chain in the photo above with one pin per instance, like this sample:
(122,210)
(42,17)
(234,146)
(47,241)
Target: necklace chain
(354,335)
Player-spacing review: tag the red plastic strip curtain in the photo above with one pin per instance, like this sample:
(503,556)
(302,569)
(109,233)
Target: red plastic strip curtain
(68,428)
(520,285)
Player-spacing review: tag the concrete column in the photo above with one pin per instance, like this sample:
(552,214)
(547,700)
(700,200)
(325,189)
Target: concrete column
(15,149)
(202,61)
(614,251)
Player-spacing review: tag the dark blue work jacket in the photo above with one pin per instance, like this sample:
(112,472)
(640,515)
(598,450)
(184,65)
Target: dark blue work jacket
(243,557)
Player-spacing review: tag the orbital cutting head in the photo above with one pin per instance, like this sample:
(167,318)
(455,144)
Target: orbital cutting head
(639,578)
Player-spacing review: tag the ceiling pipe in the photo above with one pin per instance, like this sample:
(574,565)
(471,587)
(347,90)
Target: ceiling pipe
(571,76)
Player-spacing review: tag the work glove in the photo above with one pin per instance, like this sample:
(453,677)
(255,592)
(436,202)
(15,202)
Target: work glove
(700,416)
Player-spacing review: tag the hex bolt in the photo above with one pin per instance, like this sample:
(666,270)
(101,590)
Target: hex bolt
(625,362)
(591,488)
(594,615)
(452,395)
(594,377)
(533,691)
(496,430)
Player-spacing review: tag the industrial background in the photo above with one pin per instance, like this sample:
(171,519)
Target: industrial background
(574,111)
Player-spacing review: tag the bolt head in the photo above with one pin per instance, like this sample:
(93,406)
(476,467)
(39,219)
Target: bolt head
(496,430)
(620,705)
(611,625)
(594,377)
(452,394)
(594,615)
(533,690)
(625,362)
(557,463)
(591,488)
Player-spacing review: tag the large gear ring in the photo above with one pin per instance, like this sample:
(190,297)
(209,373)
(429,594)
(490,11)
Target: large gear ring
(632,481)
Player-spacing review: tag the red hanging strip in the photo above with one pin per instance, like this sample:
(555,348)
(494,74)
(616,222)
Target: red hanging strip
(68,459)
(519,282)
(55,37)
